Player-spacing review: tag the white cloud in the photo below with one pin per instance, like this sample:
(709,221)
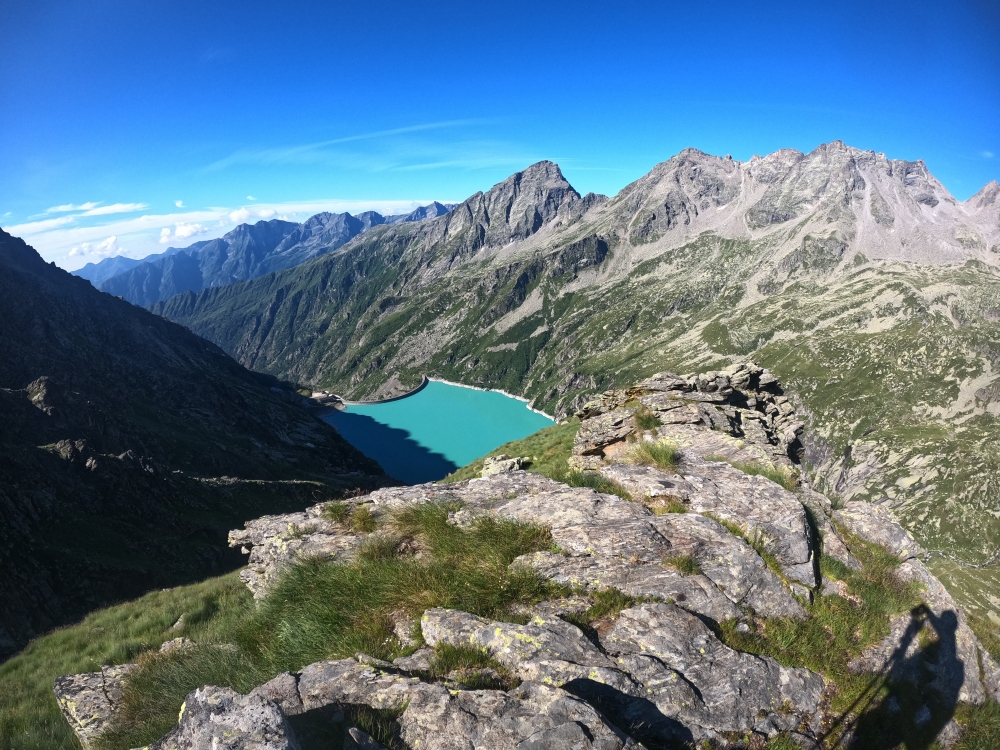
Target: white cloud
(36,227)
(251,198)
(141,234)
(239,216)
(179,204)
(72,207)
(116,208)
(188,230)
(181,231)
(104,249)
(988,154)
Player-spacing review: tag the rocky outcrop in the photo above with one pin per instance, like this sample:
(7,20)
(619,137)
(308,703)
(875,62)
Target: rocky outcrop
(748,416)
(705,548)
(89,701)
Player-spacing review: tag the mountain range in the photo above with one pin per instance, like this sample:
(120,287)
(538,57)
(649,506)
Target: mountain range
(245,253)
(129,447)
(857,279)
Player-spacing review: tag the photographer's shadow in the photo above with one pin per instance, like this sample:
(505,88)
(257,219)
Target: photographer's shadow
(914,697)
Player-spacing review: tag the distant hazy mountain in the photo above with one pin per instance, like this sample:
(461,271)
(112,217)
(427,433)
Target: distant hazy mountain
(432,211)
(98,273)
(245,253)
(857,279)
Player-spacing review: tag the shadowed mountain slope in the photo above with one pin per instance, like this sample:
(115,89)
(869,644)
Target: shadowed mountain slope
(127,443)
(864,285)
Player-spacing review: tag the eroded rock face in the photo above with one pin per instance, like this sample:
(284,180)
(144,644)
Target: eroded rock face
(875,524)
(222,719)
(729,691)
(89,701)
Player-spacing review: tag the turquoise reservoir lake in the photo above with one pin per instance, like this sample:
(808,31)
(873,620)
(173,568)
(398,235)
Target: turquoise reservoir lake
(428,435)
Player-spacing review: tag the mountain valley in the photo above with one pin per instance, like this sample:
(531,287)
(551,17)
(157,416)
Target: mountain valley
(871,292)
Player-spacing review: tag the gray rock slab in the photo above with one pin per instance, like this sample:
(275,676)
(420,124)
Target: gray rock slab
(530,717)
(222,719)
(956,671)
(695,593)
(696,441)
(735,692)
(284,691)
(729,562)
(833,544)
(551,650)
(758,506)
(357,739)
(597,433)
(276,542)
(647,481)
(346,681)
(876,524)
(88,701)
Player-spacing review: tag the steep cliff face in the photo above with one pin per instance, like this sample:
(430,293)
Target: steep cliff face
(115,421)
(858,279)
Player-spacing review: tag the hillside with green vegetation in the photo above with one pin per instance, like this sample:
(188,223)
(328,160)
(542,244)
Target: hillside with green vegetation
(478,550)
(871,292)
(129,447)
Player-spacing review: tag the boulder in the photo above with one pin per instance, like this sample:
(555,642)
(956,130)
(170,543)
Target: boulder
(222,719)
(89,701)
(876,524)
(502,464)
(665,647)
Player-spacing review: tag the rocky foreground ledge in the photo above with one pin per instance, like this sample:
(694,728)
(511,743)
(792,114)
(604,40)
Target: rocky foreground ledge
(700,544)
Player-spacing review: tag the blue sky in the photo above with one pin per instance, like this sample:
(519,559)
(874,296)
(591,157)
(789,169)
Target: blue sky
(126,123)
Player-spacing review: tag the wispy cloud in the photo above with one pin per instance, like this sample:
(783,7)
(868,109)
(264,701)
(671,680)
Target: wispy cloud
(311,151)
(116,208)
(65,208)
(987,154)
(179,204)
(35,227)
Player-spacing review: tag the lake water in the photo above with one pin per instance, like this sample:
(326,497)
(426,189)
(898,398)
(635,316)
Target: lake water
(428,435)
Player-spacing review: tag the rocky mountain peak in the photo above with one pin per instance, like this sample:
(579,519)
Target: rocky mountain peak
(513,209)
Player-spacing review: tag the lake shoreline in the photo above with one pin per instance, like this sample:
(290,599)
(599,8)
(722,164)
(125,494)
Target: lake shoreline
(527,404)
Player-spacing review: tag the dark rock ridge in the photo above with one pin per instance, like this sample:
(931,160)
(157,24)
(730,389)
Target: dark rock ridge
(657,672)
(247,252)
(119,428)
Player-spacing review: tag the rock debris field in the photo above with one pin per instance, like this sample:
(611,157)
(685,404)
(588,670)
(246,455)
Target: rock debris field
(655,674)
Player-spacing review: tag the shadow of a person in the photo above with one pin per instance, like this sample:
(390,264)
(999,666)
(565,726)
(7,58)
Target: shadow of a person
(914,695)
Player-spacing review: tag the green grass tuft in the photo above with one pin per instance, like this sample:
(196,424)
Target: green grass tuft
(645,419)
(683,564)
(779,475)
(597,481)
(546,449)
(661,454)
(337,512)
(322,610)
(362,520)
